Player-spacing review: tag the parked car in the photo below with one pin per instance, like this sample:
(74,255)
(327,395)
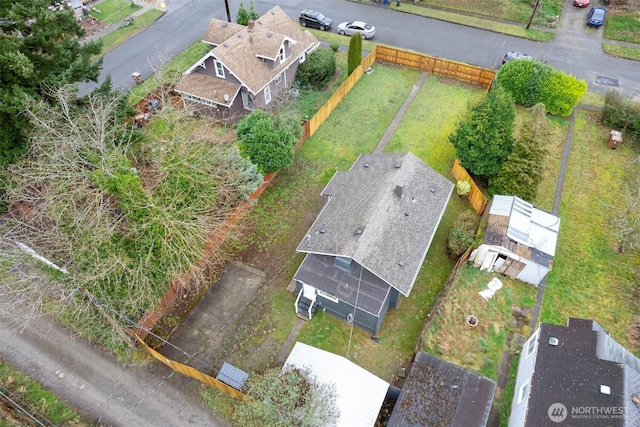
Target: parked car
(365,30)
(596,16)
(314,19)
(515,55)
(581,3)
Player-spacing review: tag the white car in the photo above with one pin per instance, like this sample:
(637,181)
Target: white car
(365,30)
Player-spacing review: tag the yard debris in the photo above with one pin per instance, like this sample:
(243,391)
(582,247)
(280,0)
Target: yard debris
(492,287)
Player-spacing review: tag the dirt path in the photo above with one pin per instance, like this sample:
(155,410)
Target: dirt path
(98,387)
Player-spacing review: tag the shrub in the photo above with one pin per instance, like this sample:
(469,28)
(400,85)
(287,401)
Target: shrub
(531,82)
(522,171)
(463,187)
(354,57)
(462,234)
(484,138)
(317,70)
(268,144)
(334,46)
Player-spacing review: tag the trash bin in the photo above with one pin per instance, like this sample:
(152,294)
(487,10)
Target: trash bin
(605,2)
(137,77)
(615,138)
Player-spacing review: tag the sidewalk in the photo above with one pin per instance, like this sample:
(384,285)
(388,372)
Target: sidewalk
(147,5)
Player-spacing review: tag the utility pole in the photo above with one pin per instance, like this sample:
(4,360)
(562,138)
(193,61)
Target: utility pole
(535,8)
(226,5)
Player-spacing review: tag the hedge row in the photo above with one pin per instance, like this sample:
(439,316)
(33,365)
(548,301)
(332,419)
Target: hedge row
(531,82)
(622,114)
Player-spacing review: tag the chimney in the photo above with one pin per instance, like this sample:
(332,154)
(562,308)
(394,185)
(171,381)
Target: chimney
(251,24)
(399,189)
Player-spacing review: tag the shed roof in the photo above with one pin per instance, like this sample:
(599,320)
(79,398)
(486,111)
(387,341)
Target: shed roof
(366,220)
(439,393)
(360,394)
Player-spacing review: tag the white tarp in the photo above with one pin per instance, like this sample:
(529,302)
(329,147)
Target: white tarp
(492,287)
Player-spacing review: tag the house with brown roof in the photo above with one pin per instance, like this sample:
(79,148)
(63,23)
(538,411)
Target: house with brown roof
(247,67)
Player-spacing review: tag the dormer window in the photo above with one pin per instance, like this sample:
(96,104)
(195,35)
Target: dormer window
(219,68)
(281,54)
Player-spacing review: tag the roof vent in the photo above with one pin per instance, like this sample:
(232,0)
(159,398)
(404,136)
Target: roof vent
(406,214)
(358,231)
(215,94)
(226,98)
(366,165)
(605,389)
(240,35)
(322,229)
(399,189)
(268,35)
(553,341)
(397,165)
(635,399)
(433,190)
(224,25)
(251,24)
(225,45)
(401,263)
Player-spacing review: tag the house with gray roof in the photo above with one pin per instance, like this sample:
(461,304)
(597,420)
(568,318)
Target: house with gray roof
(576,375)
(247,67)
(439,393)
(367,245)
(520,240)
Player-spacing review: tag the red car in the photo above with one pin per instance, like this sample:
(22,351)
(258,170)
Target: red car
(581,3)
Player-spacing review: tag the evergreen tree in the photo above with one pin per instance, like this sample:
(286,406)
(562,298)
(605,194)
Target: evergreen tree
(253,15)
(242,17)
(484,139)
(354,57)
(522,171)
(39,50)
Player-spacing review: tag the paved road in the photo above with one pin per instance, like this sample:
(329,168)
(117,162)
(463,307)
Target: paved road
(576,50)
(99,387)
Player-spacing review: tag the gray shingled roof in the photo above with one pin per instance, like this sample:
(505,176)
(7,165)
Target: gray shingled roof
(439,393)
(395,232)
(572,372)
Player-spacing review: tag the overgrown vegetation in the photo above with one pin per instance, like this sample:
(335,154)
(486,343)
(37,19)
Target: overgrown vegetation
(522,171)
(462,234)
(317,70)
(123,216)
(244,16)
(484,138)
(287,397)
(531,82)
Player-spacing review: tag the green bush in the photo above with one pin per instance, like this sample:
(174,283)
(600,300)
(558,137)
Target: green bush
(317,70)
(531,82)
(267,143)
(334,46)
(462,234)
(484,138)
(522,171)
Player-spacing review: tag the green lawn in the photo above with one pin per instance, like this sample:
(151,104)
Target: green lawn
(112,11)
(623,25)
(590,279)
(121,34)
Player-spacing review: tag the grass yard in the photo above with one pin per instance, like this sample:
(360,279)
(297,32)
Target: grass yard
(120,35)
(623,25)
(112,11)
(590,279)
(36,399)
(479,349)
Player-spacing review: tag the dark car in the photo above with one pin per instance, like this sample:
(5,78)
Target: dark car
(314,19)
(515,55)
(596,16)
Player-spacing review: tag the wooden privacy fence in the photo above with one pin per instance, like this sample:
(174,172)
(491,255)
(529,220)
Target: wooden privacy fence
(439,66)
(475,196)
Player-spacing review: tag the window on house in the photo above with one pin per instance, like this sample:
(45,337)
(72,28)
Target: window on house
(524,392)
(303,57)
(530,345)
(279,79)
(247,102)
(219,69)
(281,54)
(267,95)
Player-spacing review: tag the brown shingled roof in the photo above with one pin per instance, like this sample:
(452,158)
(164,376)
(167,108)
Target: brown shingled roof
(219,31)
(208,87)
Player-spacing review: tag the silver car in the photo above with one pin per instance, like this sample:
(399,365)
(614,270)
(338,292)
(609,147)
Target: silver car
(365,30)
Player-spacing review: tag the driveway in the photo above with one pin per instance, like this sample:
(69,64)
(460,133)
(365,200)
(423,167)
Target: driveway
(574,33)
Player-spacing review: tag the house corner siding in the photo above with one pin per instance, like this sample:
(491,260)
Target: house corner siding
(526,366)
